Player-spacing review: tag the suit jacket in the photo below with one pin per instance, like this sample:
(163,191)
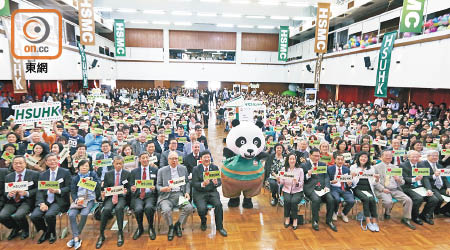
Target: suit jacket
(110,180)
(380,169)
(101,156)
(30,176)
(407,175)
(76,179)
(136,174)
(311,183)
(190,162)
(187,148)
(137,149)
(62,199)
(331,170)
(163,181)
(445,182)
(197,179)
(164,161)
(3,173)
(158,148)
(158,157)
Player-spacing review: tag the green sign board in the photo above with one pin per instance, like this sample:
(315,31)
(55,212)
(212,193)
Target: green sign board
(84,66)
(4,8)
(119,37)
(283,40)
(384,63)
(412,16)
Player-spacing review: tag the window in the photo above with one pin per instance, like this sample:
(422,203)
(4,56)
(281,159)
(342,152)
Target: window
(191,84)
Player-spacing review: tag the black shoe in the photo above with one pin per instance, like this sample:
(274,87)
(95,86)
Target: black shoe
(170,233)
(387,216)
(24,235)
(286,225)
(203,226)
(315,225)
(14,233)
(234,202)
(43,237)
(407,222)
(332,226)
(178,230)
(52,238)
(447,214)
(223,232)
(152,233)
(428,220)
(418,221)
(100,241)
(138,233)
(274,202)
(120,239)
(247,203)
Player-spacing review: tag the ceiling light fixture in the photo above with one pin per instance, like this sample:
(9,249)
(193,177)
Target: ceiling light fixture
(240,1)
(245,26)
(279,17)
(161,22)
(231,15)
(207,14)
(138,21)
(181,13)
(297,4)
(155,12)
(269,3)
(267,27)
(225,25)
(127,10)
(182,23)
(255,17)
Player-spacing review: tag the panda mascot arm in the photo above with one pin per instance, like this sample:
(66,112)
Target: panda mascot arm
(243,172)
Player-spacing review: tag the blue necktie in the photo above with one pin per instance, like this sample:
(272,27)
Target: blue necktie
(51,196)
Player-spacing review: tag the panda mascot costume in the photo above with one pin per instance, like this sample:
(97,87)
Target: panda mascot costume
(243,171)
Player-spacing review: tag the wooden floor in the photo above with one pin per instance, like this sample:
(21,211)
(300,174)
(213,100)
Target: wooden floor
(261,228)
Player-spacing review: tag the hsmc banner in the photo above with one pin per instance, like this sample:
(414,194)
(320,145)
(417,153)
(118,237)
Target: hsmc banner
(384,62)
(412,16)
(4,8)
(119,37)
(84,66)
(322,26)
(38,111)
(283,39)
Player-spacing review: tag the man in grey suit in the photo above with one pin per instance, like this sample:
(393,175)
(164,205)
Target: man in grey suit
(187,148)
(173,144)
(388,187)
(169,194)
(139,145)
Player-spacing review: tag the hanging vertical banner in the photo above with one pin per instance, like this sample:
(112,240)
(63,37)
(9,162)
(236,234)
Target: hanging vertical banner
(86,22)
(283,39)
(119,37)
(84,66)
(384,62)
(317,71)
(412,16)
(17,68)
(4,8)
(322,25)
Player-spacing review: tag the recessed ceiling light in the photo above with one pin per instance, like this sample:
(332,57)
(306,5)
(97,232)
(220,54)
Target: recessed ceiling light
(182,23)
(279,17)
(227,25)
(206,14)
(297,4)
(245,26)
(155,12)
(268,27)
(231,15)
(101,9)
(161,22)
(255,17)
(270,3)
(181,13)
(138,21)
(240,1)
(126,10)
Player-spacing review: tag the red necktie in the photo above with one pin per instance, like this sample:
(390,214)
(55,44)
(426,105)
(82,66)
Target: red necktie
(17,198)
(342,183)
(398,160)
(115,198)
(144,177)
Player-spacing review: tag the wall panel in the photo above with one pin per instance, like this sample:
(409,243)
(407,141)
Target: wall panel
(135,84)
(259,42)
(144,38)
(179,39)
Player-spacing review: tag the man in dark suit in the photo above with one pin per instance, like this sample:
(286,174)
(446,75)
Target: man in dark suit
(173,144)
(439,184)
(341,189)
(115,177)
(19,203)
(317,183)
(160,143)
(191,160)
(151,153)
(206,193)
(397,145)
(51,202)
(412,182)
(144,199)
(3,173)
(106,154)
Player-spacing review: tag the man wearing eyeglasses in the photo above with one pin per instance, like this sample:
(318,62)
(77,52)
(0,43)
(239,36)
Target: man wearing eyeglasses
(173,144)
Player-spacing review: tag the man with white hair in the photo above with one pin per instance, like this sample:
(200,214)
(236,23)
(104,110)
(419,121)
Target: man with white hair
(139,145)
(439,184)
(418,181)
(187,148)
(172,185)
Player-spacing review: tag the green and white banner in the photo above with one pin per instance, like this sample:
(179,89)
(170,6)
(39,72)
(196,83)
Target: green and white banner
(84,66)
(283,39)
(384,62)
(4,8)
(412,16)
(37,112)
(119,37)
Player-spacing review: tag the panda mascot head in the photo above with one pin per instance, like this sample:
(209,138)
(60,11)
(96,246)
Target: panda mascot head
(244,139)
